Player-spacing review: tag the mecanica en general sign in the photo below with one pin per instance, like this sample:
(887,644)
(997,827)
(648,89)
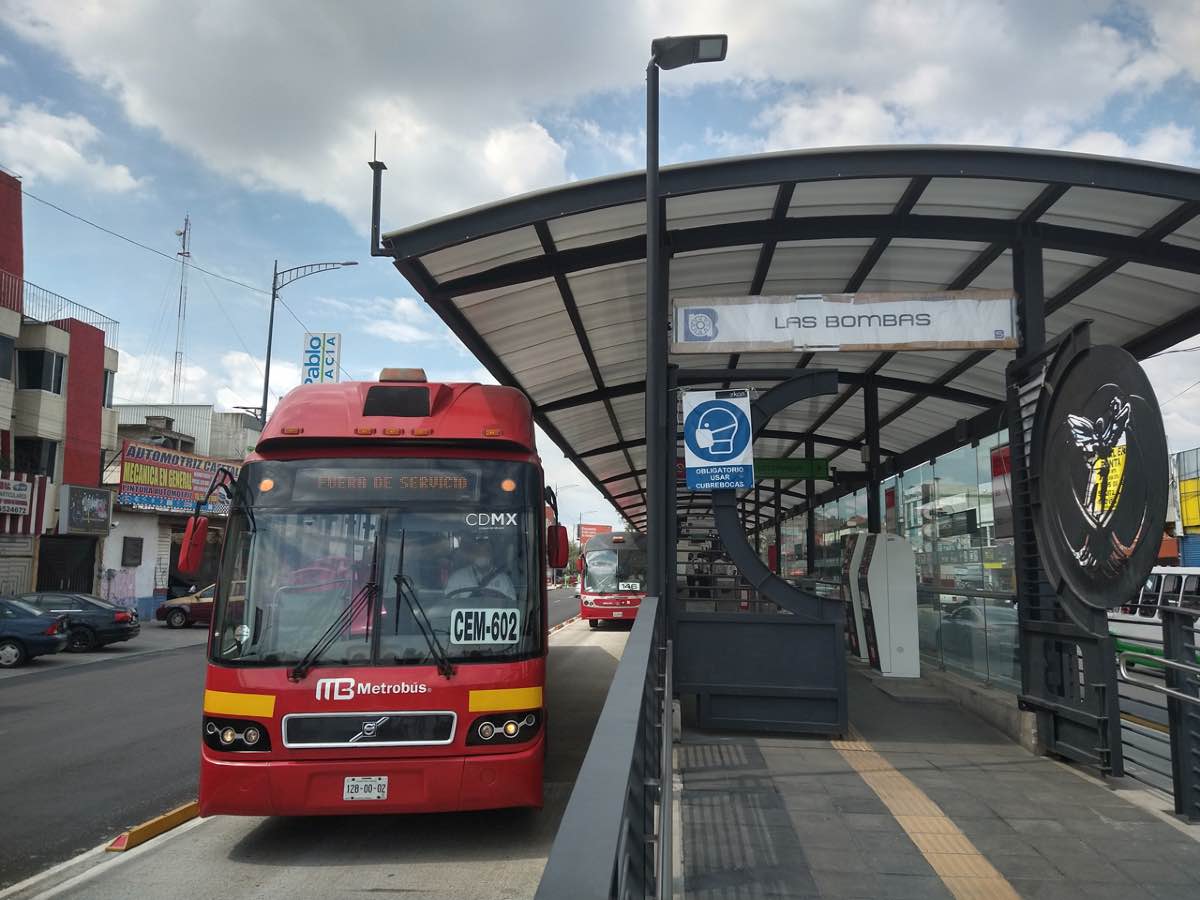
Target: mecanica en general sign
(163,480)
(949,320)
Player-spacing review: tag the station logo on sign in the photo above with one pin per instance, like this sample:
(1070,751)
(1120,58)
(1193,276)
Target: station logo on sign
(718,441)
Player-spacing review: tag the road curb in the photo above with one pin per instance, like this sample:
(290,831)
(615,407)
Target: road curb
(561,625)
(139,834)
(11,674)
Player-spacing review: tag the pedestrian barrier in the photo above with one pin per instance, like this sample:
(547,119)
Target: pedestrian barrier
(1180,685)
(614,840)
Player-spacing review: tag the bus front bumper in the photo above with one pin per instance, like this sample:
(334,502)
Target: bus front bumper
(240,787)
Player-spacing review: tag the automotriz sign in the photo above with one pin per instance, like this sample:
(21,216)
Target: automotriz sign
(949,320)
(164,480)
(322,356)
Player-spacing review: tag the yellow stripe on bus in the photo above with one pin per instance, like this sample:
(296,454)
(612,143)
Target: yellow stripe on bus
(224,703)
(506,699)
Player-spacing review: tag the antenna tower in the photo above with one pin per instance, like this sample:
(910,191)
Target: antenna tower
(184,254)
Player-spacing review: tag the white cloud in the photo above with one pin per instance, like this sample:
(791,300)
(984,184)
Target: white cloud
(1169,143)
(524,157)
(148,378)
(42,146)
(1176,380)
(1176,25)
(400,319)
(236,381)
(458,92)
(627,148)
(838,119)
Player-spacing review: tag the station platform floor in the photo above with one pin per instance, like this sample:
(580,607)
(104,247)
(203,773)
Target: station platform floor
(923,800)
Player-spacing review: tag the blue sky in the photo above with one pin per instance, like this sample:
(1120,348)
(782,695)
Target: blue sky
(257,121)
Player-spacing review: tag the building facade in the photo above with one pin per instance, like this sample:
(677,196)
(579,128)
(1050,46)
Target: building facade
(58,360)
(220,435)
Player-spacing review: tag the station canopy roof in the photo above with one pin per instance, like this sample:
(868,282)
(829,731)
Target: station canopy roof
(548,289)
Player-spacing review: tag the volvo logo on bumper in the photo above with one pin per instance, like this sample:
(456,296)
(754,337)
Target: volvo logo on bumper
(369,729)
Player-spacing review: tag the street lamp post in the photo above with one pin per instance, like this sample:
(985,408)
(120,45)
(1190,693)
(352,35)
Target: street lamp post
(665,53)
(279,280)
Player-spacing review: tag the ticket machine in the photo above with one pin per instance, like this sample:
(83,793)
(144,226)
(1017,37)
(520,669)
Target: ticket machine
(851,556)
(887,586)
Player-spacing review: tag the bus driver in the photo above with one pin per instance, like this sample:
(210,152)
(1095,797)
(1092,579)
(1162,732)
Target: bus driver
(481,569)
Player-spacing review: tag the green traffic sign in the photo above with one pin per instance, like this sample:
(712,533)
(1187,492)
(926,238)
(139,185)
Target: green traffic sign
(790,467)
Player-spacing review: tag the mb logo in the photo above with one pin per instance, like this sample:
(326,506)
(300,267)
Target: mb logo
(335,688)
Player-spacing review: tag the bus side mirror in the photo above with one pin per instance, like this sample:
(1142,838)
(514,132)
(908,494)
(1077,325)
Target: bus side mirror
(191,551)
(557,546)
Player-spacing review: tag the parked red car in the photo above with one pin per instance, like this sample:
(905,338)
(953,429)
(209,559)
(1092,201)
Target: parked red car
(188,609)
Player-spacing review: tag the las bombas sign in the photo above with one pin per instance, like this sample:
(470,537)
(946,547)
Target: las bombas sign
(877,321)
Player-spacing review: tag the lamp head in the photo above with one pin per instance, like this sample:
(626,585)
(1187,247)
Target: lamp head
(674,52)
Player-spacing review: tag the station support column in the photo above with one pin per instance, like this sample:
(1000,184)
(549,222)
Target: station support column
(778,527)
(871,423)
(810,502)
(656,355)
(1031,300)
(671,505)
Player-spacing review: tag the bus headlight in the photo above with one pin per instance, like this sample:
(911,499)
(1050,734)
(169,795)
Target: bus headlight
(235,735)
(504,728)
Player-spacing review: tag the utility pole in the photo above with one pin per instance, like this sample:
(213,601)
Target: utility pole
(184,254)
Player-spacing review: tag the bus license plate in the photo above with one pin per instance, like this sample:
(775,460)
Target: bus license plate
(485,626)
(618,614)
(371,787)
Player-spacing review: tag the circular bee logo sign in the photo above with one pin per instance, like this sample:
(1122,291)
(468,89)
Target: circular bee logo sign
(1100,460)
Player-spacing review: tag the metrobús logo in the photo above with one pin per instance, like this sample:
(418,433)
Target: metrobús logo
(349,688)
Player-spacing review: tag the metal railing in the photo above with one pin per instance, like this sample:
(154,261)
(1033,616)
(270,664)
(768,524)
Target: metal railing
(614,841)
(1179,686)
(40,305)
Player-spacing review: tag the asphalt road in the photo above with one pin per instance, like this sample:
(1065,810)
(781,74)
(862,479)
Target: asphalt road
(491,855)
(92,749)
(94,743)
(563,605)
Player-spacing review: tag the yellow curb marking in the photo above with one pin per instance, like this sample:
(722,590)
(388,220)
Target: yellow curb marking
(139,834)
(965,871)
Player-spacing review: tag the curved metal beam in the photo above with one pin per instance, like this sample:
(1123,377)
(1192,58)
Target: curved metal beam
(1043,167)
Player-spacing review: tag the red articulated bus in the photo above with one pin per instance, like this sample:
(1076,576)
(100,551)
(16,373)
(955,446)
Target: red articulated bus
(612,570)
(379,634)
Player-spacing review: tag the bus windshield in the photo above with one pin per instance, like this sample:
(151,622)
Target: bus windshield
(455,541)
(613,571)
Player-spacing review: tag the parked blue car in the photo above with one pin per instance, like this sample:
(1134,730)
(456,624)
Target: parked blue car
(26,632)
(91,622)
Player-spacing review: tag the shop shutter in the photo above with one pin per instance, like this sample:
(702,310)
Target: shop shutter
(1189,550)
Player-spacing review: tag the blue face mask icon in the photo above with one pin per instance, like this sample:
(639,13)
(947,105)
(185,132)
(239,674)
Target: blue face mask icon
(716,431)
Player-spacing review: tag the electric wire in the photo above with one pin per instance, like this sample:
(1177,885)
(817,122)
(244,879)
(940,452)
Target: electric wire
(237,335)
(145,372)
(172,257)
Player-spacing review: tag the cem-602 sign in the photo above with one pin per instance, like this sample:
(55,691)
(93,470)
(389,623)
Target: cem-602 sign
(485,626)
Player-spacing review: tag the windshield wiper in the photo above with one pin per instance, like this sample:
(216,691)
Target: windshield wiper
(405,589)
(365,595)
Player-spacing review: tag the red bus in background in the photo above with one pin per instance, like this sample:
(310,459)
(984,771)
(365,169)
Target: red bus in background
(384,650)
(612,576)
